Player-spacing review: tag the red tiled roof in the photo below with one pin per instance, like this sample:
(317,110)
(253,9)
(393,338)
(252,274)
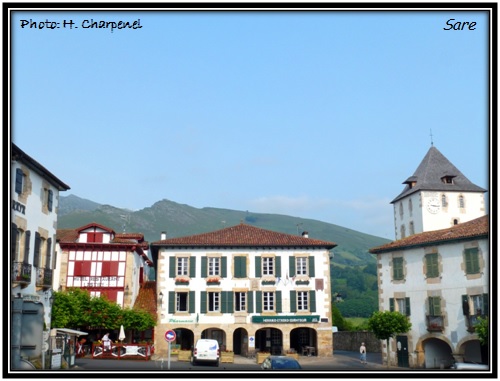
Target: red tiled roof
(66,235)
(146,299)
(477,228)
(243,235)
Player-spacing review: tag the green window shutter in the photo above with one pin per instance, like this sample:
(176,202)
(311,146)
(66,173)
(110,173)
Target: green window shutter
(291,266)
(204,265)
(435,306)
(258,301)
(250,302)
(431,261)
(391,304)
(407,305)
(171,270)
(223,263)
(203,302)
(38,242)
(293,301)
(14,237)
(397,267)
(192,267)
(486,306)
(27,246)
(277,269)
(240,267)
(312,301)
(258,267)
(278,302)
(472,261)
(171,302)
(465,305)
(192,300)
(311,267)
(227,302)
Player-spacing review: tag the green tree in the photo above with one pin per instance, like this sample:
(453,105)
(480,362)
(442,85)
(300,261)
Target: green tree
(482,330)
(386,324)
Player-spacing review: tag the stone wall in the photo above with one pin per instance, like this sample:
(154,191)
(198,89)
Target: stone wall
(350,341)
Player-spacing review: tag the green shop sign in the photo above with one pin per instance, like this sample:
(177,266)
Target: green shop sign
(285,319)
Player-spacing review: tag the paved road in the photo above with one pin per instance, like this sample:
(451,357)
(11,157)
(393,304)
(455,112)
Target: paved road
(341,361)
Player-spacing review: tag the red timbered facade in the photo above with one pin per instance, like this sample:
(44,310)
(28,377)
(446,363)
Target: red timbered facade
(95,258)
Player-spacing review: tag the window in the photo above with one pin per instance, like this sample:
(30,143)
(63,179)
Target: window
(461,202)
(182,266)
(268,301)
(181,302)
(412,228)
(401,209)
(301,263)
(240,301)
(403,231)
(16,242)
(432,265)
(397,268)
(267,266)
(410,206)
(302,300)
(19,181)
(444,201)
(401,305)
(50,199)
(213,301)
(213,266)
(435,306)
(240,267)
(479,304)
(38,246)
(471,260)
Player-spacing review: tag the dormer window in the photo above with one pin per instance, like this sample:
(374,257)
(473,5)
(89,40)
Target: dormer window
(448,179)
(411,182)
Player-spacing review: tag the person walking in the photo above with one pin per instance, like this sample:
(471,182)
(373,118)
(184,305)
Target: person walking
(362,353)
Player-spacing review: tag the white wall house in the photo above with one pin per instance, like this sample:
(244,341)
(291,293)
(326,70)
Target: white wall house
(440,280)
(34,195)
(437,270)
(251,289)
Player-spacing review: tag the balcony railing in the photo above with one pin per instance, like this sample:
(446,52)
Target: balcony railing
(472,320)
(435,323)
(44,277)
(21,272)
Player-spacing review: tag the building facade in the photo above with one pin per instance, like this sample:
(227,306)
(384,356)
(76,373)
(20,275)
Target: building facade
(249,288)
(437,271)
(96,258)
(34,203)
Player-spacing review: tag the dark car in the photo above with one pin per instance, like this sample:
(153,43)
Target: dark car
(280,363)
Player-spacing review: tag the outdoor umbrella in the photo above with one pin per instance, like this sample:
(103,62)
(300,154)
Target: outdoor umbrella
(121,337)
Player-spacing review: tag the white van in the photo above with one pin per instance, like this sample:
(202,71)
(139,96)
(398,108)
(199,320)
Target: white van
(206,350)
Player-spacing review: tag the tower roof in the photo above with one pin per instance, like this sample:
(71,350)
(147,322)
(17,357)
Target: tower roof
(437,173)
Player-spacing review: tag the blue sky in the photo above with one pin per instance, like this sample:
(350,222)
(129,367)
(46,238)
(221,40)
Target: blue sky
(318,115)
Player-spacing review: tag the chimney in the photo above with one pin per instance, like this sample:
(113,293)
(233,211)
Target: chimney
(305,234)
(163,235)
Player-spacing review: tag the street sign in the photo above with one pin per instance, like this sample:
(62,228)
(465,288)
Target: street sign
(170,335)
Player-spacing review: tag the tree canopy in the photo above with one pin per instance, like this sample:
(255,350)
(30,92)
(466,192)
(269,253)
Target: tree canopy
(75,308)
(388,323)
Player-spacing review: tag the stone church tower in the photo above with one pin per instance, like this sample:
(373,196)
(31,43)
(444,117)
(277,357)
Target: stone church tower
(437,196)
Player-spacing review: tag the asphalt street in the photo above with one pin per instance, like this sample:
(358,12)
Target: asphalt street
(340,361)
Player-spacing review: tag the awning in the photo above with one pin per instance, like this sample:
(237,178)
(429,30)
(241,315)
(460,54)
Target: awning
(70,331)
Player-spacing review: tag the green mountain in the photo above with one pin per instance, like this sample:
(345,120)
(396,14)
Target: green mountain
(179,220)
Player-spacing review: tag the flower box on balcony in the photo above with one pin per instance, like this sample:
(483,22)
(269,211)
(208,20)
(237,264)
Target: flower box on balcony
(213,281)
(268,282)
(182,281)
(301,282)
(227,357)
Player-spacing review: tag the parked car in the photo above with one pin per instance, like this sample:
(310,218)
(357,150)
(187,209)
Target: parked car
(281,363)
(206,350)
(469,366)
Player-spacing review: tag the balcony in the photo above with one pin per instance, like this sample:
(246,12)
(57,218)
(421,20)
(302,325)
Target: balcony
(43,277)
(435,323)
(21,273)
(472,320)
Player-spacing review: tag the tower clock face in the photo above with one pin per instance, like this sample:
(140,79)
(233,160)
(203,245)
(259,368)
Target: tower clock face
(433,205)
